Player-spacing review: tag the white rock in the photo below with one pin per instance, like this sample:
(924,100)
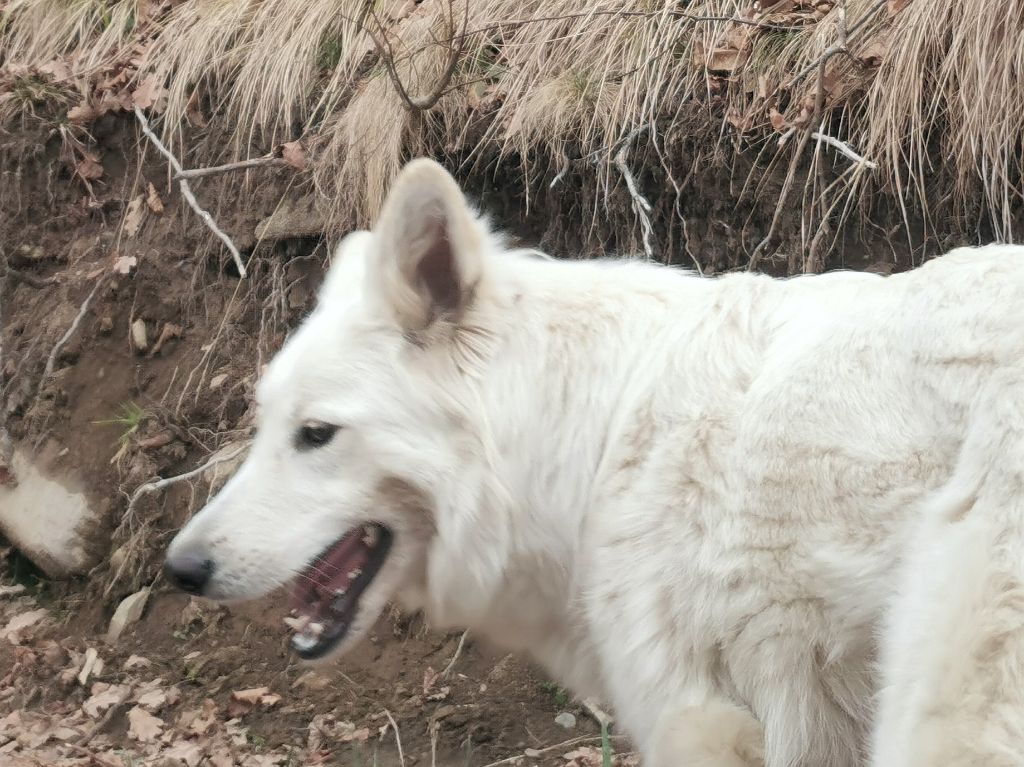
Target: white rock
(140,338)
(566,720)
(46,521)
(127,613)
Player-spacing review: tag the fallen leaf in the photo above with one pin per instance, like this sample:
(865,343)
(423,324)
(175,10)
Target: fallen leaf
(153,199)
(148,92)
(143,726)
(82,113)
(102,699)
(777,119)
(251,696)
(724,60)
(133,216)
(125,264)
(429,678)
(294,154)
(89,169)
(56,69)
(189,752)
(18,626)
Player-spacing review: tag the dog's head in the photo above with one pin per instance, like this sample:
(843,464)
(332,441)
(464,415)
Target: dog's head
(369,476)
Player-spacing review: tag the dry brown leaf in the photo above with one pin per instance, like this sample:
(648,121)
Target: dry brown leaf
(777,119)
(17,628)
(89,168)
(104,697)
(57,69)
(153,199)
(251,696)
(134,215)
(294,154)
(190,752)
(143,726)
(724,60)
(124,264)
(895,6)
(148,93)
(429,679)
(82,113)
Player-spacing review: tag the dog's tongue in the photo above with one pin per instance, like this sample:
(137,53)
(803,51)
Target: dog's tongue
(331,573)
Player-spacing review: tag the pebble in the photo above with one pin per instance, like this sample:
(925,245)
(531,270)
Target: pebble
(566,720)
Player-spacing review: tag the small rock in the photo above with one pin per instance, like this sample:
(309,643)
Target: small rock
(566,720)
(127,613)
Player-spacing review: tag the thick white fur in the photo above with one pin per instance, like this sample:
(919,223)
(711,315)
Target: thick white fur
(742,510)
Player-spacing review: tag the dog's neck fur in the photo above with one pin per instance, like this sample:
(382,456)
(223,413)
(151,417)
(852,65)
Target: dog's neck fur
(556,325)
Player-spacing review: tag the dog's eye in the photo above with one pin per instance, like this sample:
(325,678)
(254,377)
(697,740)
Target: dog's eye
(313,434)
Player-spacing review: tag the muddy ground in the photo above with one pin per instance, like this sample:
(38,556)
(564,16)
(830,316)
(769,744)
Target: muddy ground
(155,378)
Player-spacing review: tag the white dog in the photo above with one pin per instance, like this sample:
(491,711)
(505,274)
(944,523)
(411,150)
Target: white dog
(773,522)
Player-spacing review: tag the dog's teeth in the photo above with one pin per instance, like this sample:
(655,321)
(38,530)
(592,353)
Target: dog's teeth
(353,574)
(315,629)
(339,592)
(304,642)
(369,536)
(297,624)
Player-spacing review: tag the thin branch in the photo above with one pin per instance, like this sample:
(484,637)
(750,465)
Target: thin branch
(398,738)
(841,47)
(457,44)
(640,15)
(641,206)
(844,149)
(186,192)
(17,275)
(458,651)
(256,162)
(535,752)
(159,484)
(51,360)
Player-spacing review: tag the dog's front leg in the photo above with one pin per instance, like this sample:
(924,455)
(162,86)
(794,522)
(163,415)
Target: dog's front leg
(713,734)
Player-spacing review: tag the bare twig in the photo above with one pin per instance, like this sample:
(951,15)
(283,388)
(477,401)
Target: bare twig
(456,45)
(186,192)
(641,206)
(548,749)
(458,651)
(843,37)
(51,360)
(256,162)
(17,275)
(844,149)
(159,484)
(398,738)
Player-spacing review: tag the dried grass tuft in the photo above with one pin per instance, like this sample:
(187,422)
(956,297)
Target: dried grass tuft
(929,91)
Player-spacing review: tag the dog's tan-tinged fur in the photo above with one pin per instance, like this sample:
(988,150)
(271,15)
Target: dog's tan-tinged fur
(772,522)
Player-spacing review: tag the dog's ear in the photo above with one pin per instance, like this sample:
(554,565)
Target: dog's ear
(429,247)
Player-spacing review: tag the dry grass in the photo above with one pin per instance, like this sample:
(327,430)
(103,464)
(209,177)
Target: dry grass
(928,90)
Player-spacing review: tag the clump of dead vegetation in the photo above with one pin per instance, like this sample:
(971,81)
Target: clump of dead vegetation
(835,106)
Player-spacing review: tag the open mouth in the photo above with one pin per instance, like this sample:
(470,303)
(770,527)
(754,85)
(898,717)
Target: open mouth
(325,597)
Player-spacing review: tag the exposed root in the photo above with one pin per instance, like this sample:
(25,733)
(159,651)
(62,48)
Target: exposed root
(51,360)
(186,192)
(458,651)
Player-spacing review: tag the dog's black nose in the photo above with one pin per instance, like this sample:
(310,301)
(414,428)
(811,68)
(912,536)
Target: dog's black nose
(189,572)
